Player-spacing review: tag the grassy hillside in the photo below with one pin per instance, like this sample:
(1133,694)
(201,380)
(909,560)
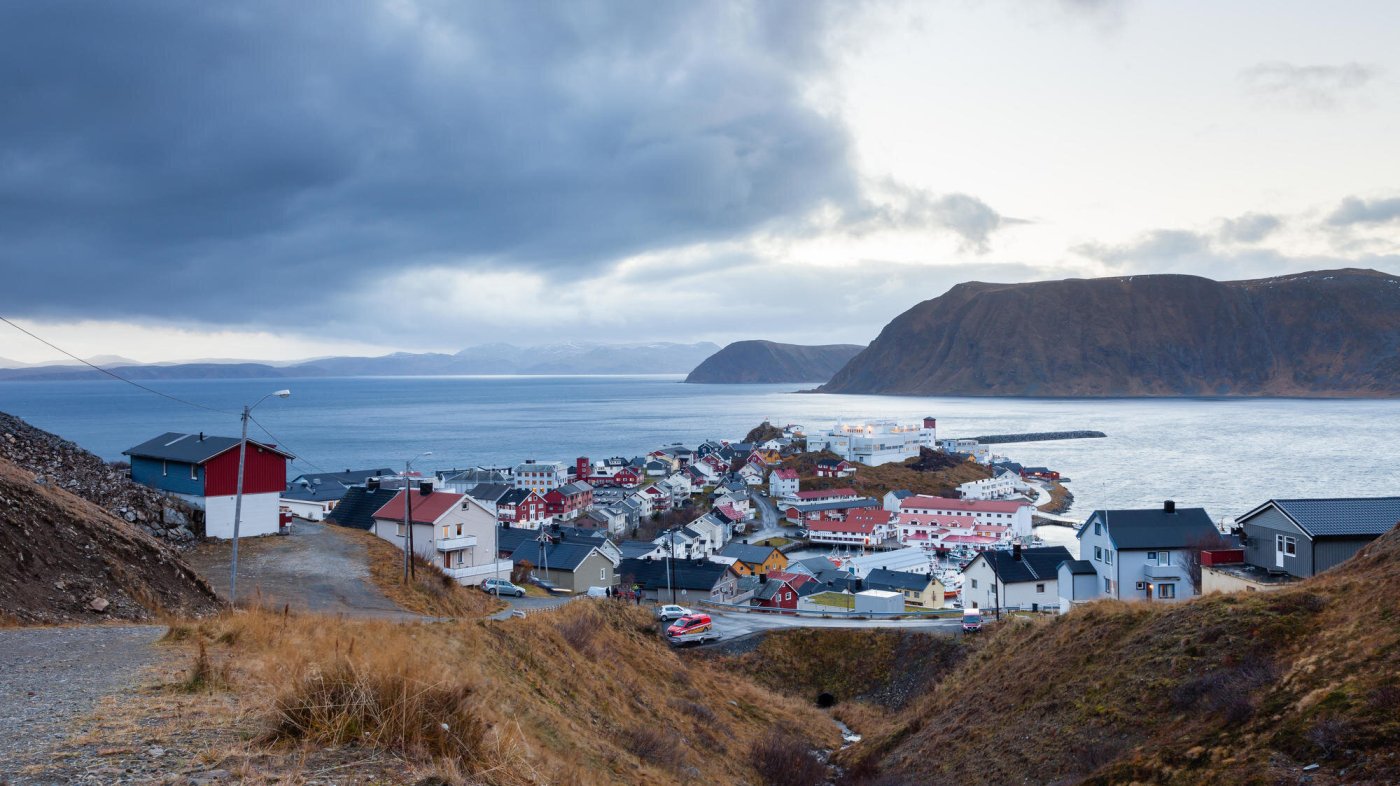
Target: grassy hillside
(941,477)
(1240,688)
(585,695)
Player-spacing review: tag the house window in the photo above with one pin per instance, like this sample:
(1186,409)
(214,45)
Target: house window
(444,533)
(1166,590)
(1108,586)
(1098,528)
(1098,553)
(1108,557)
(602,574)
(164,468)
(1287,545)
(974,583)
(194,472)
(1040,588)
(400,528)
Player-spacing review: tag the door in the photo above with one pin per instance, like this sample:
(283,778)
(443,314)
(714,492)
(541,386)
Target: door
(1278,550)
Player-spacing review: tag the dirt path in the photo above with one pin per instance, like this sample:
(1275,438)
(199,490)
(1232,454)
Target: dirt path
(52,677)
(312,569)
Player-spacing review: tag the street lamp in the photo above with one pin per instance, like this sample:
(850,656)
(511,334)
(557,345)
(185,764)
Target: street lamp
(238,499)
(407,515)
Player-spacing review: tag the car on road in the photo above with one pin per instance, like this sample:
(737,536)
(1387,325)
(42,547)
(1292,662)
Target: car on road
(696,628)
(971,620)
(501,587)
(672,612)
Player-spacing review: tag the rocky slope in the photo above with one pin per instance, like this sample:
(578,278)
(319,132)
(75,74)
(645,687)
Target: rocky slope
(58,462)
(1227,688)
(65,559)
(767,361)
(1326,333)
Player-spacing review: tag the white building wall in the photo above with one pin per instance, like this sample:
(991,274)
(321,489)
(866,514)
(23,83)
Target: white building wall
(311,511)
(261,514)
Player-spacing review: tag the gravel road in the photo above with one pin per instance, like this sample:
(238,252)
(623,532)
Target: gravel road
(52,677)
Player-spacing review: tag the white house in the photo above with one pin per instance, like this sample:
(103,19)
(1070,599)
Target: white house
(967,447)
(861,528)
(879,442)
(1139,554)
(449,530)
(1019,578)
(893,499)
(783,483)
(313,496)
(539,476)
(1078,582)
(752,474)
(1002,485)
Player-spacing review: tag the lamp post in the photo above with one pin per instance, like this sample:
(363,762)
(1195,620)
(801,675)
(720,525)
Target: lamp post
(408,515)
(238,498)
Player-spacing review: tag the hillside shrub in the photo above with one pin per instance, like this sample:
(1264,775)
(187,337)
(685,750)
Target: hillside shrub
(782,759)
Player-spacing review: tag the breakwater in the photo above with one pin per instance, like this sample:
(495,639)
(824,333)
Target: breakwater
(1039,436)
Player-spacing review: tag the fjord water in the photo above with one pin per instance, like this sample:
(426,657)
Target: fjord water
(1224,454)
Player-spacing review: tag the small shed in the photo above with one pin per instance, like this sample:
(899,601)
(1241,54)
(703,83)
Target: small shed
(879,601)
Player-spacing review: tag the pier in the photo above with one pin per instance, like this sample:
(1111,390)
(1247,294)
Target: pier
(1038,436)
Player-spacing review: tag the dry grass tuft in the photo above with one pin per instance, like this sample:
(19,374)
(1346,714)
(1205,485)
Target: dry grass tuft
(782,759)
(430,592)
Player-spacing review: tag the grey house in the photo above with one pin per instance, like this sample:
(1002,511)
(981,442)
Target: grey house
(1303,537)
(570,565)
(1140,554)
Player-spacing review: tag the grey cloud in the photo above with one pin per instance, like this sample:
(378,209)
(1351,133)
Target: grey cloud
(1354,211)
(1157,246)
(1249,228)
(1307,86)
(968,217)
(195,161)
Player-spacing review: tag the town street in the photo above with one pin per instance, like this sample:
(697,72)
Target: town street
(732,625)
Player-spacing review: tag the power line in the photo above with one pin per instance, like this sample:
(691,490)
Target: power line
(278,440)
(112,374)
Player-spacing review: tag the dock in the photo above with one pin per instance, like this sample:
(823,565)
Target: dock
(1038,436)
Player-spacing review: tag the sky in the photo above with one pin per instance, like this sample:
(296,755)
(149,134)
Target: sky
(277,181)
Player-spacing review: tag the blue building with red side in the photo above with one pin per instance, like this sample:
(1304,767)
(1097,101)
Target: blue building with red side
(203,471)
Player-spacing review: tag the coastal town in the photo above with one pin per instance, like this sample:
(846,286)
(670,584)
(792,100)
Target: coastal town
(803,523)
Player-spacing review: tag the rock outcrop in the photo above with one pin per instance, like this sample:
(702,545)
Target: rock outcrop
(767,361)
(57,462)
(1328,333)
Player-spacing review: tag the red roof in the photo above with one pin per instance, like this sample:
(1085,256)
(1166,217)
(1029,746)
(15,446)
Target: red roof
(427,508)
(793,580)
(729,511)
(827,494)
(969,505)
(786,474)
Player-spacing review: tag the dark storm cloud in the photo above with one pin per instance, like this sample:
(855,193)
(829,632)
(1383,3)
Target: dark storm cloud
(214,162)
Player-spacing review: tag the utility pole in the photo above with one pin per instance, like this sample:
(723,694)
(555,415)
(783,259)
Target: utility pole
(408,516)
(238,497)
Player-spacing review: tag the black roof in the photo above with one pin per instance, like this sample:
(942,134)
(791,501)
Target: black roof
(357,507)
(1154,528)
(349,477)
(700,575)
(897,580)
(635,548)
(191,448)
(512,497)
(1338,517)
(489,492)
(1036,564)
(1079,567)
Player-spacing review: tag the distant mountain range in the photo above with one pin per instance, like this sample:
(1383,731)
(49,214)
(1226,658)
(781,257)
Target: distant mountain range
(568,358)
(1325,333)
(768,361)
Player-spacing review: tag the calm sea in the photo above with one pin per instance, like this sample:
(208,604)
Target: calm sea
(1225,455)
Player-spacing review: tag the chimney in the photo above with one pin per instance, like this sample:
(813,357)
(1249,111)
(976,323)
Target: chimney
(425,487)
(201,436)
(1169,506)
(371,484)
(1016,552)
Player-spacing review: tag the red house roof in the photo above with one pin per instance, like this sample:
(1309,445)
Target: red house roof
(427,508)
(786,474)
(969,505)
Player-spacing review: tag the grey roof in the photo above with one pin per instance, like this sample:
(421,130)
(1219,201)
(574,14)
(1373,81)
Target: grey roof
(744,552)
(1154,528)
(489,492)
(1036,564)
(349,477)
(473,475)
(190,448)
(564,555)
(1338,517)
(635,548)
(325,492)
(902,493)
(816,564)
(808,507)
(880,578)
(1079,567)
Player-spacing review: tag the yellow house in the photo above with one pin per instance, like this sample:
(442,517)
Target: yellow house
(919,589)
(754,560)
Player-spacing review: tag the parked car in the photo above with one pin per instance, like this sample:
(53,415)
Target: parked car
(547,586)
(598,592)
(501,587)
(672,612)
(972,620)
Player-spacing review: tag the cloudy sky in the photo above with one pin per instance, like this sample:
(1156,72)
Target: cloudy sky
(282,180)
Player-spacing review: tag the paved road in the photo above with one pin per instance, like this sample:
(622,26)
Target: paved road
(313,569)
(770,523)
(734,624)
(52,677)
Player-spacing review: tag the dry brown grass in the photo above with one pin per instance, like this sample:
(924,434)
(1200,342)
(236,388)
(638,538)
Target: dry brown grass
(878,481)
(430,593)
(571,696)
(1060,499)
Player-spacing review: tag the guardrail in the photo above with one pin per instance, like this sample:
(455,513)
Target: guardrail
(835,613)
